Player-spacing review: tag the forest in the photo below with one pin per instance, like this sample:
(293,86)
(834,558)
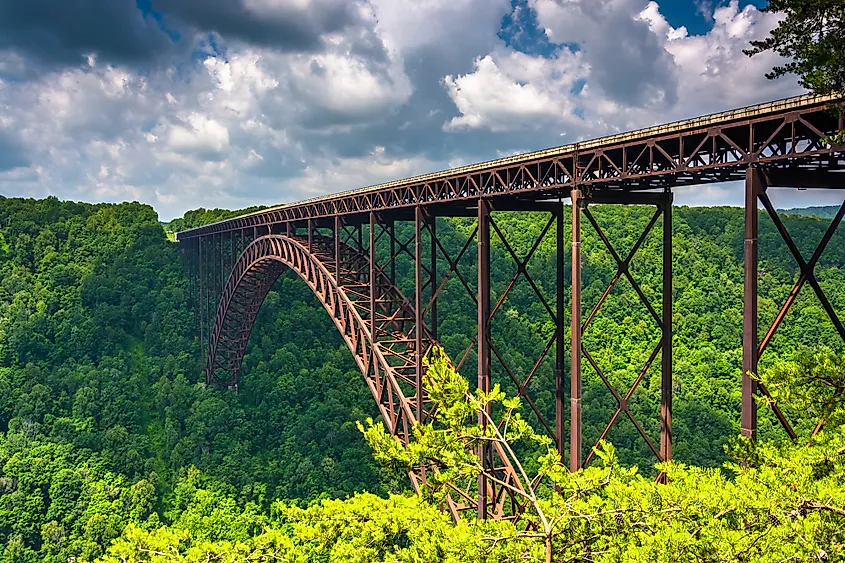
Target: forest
(113,449)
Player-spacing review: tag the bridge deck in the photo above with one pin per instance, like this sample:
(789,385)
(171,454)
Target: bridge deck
(711,148)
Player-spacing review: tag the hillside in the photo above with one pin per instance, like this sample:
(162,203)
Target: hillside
(202,216)
(822,211)
(105,420)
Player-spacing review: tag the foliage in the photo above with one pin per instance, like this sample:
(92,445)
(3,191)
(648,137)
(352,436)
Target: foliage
(777,501)
(450,442)
(100,385)
(363,529)
(103,412)
(823,211)
(813,382)
(785,501)
(811,36)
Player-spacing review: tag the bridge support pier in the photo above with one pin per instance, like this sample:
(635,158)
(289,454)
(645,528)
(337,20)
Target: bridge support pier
(667,335)
(753,189)
(560,343)
(484,366)
(662,202)
(757,182)
(575,428)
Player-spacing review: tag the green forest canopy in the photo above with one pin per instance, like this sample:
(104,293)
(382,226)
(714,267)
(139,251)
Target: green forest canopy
(106,421)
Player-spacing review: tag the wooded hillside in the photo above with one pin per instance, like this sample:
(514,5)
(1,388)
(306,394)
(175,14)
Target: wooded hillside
(106,421)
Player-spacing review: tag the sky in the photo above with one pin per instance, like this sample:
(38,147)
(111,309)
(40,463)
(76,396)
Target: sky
(230,103)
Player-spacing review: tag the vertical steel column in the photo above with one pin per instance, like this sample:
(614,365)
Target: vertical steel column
(202,304)
(483,339)
(311,236)
(213,284)
(753,189)
(432,229)
(392,227)
(559,343)
(191,255)
(337,248)
(666,355)
(575,328)
(372,280)
(418,308)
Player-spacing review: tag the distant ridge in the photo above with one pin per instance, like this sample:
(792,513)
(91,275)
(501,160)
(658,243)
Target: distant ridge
(823,211)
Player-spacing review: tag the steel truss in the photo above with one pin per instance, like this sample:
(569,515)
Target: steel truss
(356,250)
(381,327)
(714,148)
(663,207)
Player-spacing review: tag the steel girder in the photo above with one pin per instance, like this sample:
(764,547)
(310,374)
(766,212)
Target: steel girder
(790,134)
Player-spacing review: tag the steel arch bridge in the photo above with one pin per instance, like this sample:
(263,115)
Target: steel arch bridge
(347,248)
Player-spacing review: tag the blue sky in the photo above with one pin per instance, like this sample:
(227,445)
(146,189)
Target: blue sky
(697,16)
(187,103)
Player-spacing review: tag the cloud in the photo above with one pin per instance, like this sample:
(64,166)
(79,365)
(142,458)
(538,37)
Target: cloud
(286,25)
(335,89)
(714,73)
(374,168)
(66,32)
(12,153)
(231,126)
(570,91)
(510,91)
(626,58)
(450,28)
(269,101)
(198,135)
(704,8)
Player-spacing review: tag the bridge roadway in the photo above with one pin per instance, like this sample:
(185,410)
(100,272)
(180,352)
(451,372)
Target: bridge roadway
(347,246)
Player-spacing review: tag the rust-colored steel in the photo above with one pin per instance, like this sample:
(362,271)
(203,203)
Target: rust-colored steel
(521,384)
(483,343)
(666,359)
(202,303)
(384,346)
(432,279)
(560,345)
(575,428)
(663,206)
(713,148)
(757,183)
(753,188)
(418,307)
(779,144)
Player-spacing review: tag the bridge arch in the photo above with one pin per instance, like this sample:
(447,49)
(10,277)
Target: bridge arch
(378,325)
(385,369)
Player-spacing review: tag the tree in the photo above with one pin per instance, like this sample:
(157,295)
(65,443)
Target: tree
(811,36)
(777,501)
(451,442)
